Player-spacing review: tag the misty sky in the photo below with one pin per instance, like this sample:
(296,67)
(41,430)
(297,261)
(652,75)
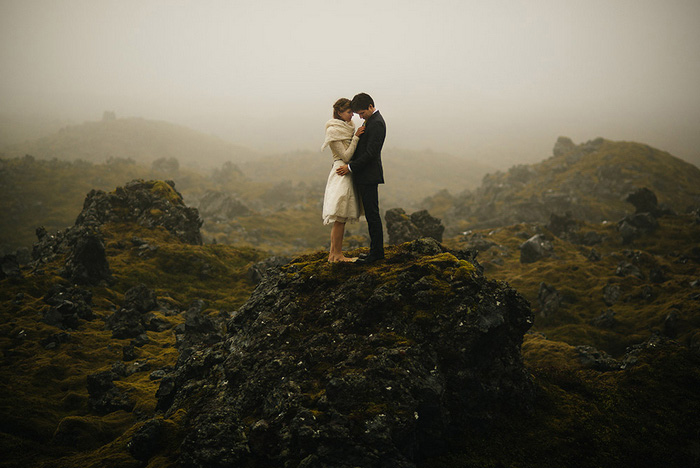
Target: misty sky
(493,80)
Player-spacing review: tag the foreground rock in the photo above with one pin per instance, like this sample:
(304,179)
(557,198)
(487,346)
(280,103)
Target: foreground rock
(343,366)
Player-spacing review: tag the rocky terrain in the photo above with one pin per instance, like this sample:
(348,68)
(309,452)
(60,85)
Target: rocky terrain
(590,181)
(335,366)
(127,341)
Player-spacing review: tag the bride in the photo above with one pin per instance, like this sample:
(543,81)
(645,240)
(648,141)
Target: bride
(340,202)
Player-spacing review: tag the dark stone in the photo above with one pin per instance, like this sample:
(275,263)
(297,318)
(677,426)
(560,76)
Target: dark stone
(591,238)
(657,275)
(611,293)
(220,206)
(125,323)
(428,226)
(258,271)
(403,228)
(157,374)
(477,242)
(670,328)
(637,225)
(563,146)
(593,256)
(549,299)
(53,341)
(154,323)
(605,320)
(644,200)
(87,262)
(198,327)
(535,248)
(141,299)
(131,320)
(628,269)
(140,340)
(562,226)
(69,305)
(148,440)
(9,267)
(400,227)
(129,353)
(104,395)
(591,358)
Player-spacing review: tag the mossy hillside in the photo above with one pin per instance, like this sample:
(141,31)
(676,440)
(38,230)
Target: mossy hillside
(643,305)
(591,180)
(51,193)
(644,416)
(44,399)
(285,219)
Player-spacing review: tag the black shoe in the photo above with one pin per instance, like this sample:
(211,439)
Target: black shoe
(362,255)
(369,259)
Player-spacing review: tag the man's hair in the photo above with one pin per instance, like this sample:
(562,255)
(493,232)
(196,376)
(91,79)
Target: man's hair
(361,101)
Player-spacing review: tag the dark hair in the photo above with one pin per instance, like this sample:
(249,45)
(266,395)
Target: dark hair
(361,101)
(340,105)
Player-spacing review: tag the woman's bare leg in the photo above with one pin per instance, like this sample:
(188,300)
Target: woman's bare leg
(336,253)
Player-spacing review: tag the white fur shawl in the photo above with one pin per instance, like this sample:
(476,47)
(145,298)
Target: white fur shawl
(338,130)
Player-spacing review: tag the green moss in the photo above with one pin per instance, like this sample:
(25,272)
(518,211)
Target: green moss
(164,190)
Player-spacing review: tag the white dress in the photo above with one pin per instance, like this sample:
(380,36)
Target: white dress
(340,202)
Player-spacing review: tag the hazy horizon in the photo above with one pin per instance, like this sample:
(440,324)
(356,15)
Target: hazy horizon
(495,81)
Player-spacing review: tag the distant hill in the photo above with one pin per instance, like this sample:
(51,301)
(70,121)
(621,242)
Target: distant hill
(410,175)
(139,139)
(590,180)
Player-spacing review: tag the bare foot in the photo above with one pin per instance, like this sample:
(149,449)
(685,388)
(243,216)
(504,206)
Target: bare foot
(340,258)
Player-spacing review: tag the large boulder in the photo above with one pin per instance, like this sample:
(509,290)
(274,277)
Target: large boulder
(149,203)
(339,366)
(535,248)
(221,206)
(644,200)
(404,228)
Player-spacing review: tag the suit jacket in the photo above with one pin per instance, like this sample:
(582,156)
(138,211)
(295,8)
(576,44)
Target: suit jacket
(366,162)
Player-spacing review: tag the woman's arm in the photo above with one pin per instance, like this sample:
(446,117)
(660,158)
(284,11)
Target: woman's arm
(339,151)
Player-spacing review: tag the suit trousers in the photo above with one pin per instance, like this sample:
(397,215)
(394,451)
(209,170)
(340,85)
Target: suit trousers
(369,194)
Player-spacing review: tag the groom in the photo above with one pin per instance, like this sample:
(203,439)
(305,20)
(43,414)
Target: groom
(367,172)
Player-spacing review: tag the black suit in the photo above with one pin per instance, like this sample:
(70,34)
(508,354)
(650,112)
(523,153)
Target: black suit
(367,174)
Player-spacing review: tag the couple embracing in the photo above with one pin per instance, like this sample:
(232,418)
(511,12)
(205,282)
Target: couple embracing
(352,187)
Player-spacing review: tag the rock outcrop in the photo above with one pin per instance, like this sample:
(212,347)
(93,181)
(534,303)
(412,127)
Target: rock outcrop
(341,365)
(220,206)
(148,203)
(404,228)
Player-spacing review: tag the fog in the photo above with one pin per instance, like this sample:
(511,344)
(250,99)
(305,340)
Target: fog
(497,81)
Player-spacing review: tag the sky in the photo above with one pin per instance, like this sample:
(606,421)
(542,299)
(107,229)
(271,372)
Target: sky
(496,81)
